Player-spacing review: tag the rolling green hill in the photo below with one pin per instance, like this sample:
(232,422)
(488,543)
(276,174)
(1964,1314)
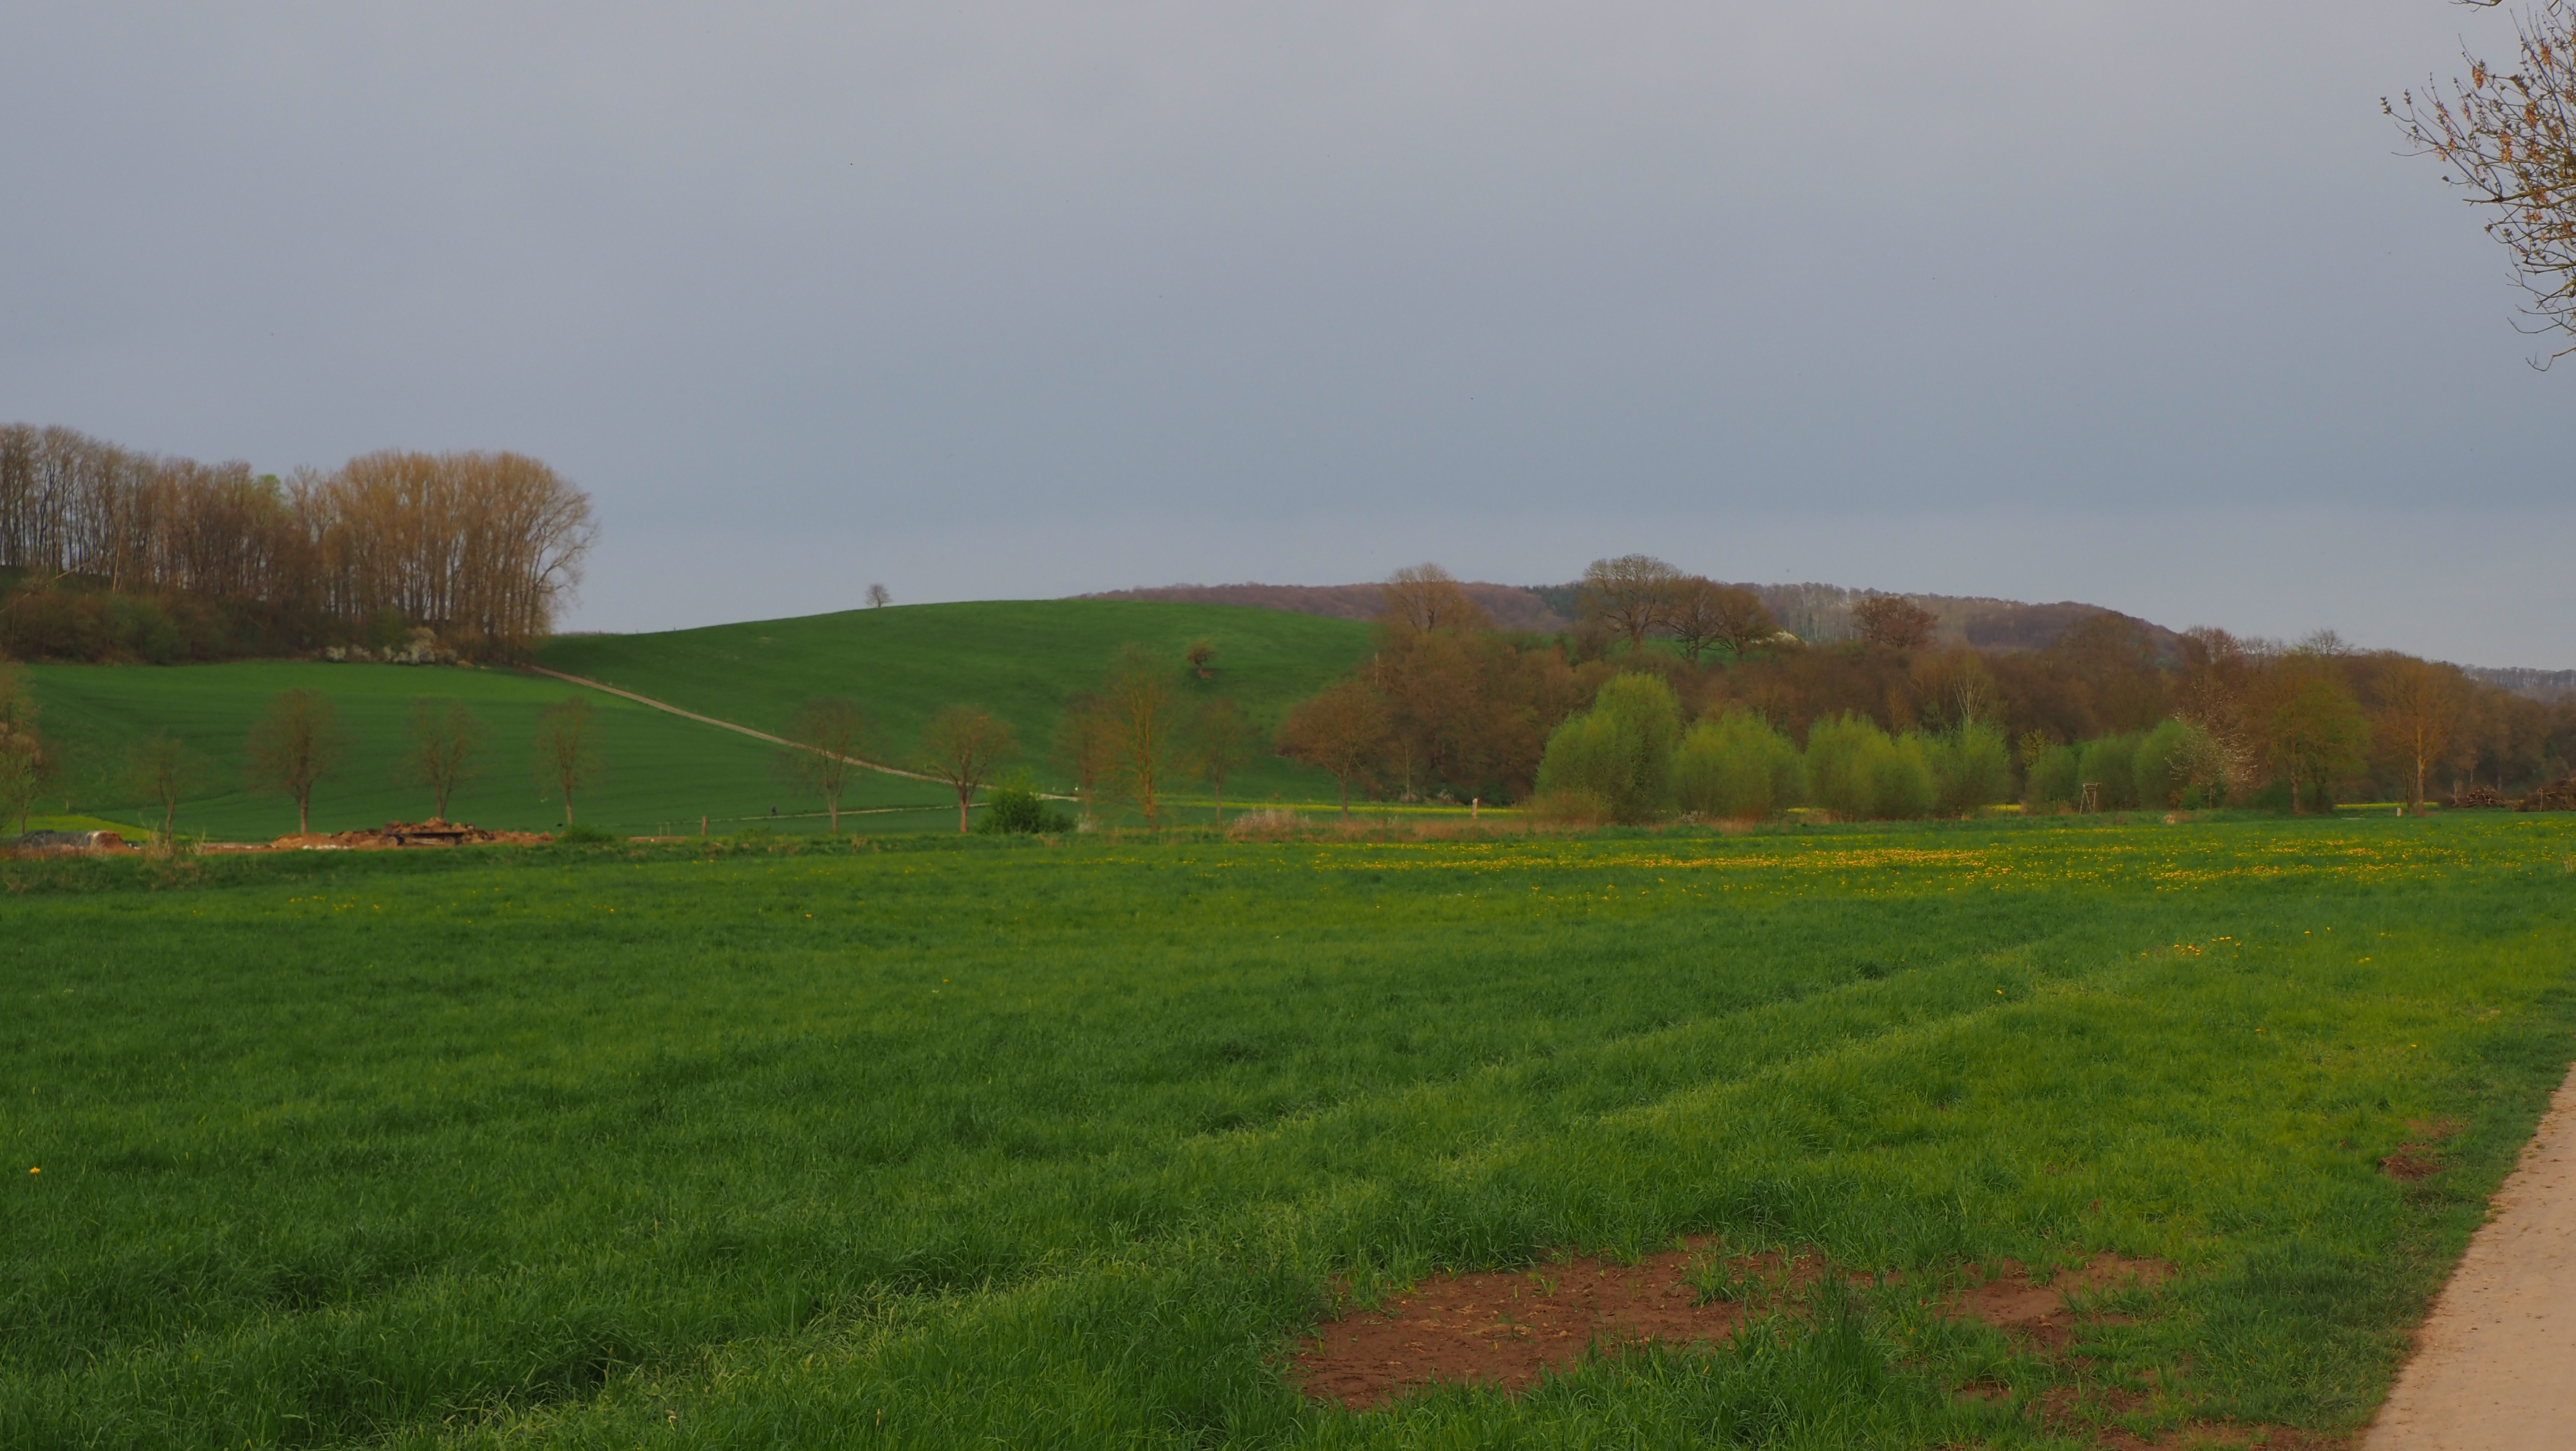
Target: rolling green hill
(663,772)
(1017,658)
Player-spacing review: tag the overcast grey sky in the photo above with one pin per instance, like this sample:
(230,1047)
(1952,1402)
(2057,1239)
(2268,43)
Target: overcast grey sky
(2125,302)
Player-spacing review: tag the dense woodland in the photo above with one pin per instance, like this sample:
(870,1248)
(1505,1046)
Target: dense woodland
(111,554)
(2108,715)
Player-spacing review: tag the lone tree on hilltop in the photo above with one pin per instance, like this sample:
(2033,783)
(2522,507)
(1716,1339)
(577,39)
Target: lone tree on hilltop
(446,749)
(1342,732)
(162,770)
(961,746)
(878,598)
(2509,139)
(294,746)
(828,734)
(1894,622)
(1705,613)
(1222,740)
(1632,594)
(568,755)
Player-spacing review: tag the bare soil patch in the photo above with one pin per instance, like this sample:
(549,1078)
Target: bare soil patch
(399,835)
(1506,1328)
(2010,1298)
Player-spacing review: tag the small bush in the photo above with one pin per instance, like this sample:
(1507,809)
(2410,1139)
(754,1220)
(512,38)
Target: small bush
(1019,810)
(579,834)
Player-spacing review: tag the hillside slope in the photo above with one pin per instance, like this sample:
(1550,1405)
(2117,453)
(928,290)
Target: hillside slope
(662,772)
(1018,658)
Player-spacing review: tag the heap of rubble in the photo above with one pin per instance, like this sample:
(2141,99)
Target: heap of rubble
(395,834)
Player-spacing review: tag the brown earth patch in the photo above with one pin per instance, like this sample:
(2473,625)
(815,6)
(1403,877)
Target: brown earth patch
(1505,1328)
(2407,1167)
(398,835)
(2009,1299)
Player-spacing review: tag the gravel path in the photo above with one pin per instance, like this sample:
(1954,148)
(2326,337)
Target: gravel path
(2495,1369)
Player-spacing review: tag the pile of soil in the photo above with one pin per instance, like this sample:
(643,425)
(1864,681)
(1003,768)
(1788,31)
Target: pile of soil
(1505,1328)
(398,834)
(55,841)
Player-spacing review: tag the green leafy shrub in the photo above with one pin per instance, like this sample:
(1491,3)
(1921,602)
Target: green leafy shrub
(580,834)
(2056,779)
(2111,762)
(1737,767)
(1017,809)
(1971,768)
(1856,771)
(1621,750)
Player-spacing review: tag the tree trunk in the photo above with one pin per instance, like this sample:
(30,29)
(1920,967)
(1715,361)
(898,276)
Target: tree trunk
(304,815)
(1346,798)
(964,794)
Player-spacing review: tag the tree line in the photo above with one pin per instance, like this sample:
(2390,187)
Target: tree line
(298,743)
(1447,708)
(123,554)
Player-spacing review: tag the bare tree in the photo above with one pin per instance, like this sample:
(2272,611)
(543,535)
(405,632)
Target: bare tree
(1083,746)
(567,749)
(1706,613)
(162,770)
(1137,701)
(481,548)
(961,746)
(878,598)
(1894,622)
(1202,657)
(1632,594)
(2509,139)
(1222,740)
(446,749)
(297,744)
(2421,711)
(1423,597)
(830,734)
(1342,732)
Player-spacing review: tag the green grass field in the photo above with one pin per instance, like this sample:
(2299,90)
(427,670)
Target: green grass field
(666,772)
(1019,659)
(940,1142)
(663,772)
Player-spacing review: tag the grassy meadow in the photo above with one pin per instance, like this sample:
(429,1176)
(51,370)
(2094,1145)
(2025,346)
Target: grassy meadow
(1019,659)
(662,773)
(942,1142)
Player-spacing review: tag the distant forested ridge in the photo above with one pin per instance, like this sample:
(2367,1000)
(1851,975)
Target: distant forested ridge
(109,553)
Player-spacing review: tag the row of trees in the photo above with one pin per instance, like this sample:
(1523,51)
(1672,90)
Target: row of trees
(1446,707)
(299,743)
(481,548)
